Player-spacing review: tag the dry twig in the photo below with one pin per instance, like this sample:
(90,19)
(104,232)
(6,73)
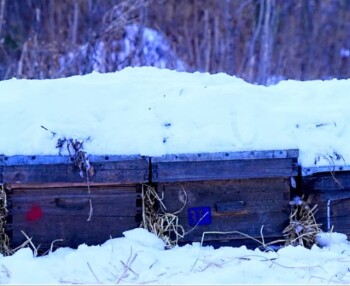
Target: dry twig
(93,273)
(29,241)
(127,267)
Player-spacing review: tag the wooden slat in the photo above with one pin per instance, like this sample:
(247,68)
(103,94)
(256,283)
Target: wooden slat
(308,171)
(48,185)
(258,195)
(326,182)
(63,159)
(339,215)
(117,201)
(340,219)
(223,156)
(121,172)
(223,170)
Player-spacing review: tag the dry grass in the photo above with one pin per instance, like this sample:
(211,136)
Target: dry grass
(266,246)
(157,220)
(302,227)
(301,230)
(4,239)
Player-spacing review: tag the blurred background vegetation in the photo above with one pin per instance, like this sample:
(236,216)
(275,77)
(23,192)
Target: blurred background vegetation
(261,41)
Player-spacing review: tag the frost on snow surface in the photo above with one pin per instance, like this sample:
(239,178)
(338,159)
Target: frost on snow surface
(150,111)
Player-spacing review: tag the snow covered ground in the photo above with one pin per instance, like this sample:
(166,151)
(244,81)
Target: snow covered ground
(149,111)
(140,258)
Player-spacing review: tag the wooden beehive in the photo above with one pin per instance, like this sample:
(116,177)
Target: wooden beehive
(329,188)
(227,192)
(48,200)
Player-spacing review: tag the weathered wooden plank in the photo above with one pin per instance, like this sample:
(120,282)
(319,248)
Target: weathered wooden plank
(326,182)
(48,185)
(261,202)
(106,201)
(113,172)
(339,214)
(340,219)
(63,159)
(258,195)
(229,206)
(62,213)
(308,171)
(74,230)
(222,156)
(222,170)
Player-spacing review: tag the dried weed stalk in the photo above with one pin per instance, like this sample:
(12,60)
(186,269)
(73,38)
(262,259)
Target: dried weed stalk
(262,243)
(157,220)
(81,161)
(302,227)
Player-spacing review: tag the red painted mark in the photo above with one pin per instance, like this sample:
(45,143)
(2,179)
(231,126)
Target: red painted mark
(34,213)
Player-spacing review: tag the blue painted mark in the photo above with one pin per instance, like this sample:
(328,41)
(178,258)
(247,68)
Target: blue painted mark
(199,216)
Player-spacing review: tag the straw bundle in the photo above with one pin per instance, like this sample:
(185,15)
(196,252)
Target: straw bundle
(157,220)
(303,227)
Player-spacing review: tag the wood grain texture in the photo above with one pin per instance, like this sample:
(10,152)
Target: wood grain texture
(62,213)
(117,201)
(323,187)
(49,200)
(265,202)
(271,223)
(121,172)
(64,159)
(222,170)
(224,156)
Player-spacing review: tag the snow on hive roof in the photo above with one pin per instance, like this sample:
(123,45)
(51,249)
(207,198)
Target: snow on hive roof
(150,111)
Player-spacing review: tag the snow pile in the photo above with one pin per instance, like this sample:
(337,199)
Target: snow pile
(140,258)
(151,111)
(328,239)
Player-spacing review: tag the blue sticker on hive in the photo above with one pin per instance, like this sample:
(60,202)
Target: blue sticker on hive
(199,216)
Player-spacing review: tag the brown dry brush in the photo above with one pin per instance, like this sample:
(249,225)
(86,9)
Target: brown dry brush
(258,40)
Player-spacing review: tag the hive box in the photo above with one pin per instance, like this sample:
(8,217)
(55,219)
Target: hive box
(227,192)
